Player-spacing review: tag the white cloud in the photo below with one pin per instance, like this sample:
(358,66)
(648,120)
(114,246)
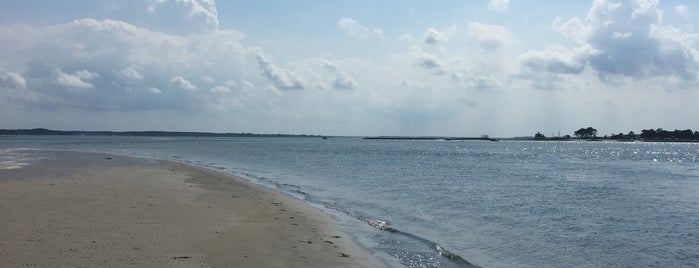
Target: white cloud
(621,35)
(343,81)
(489,36)
(280,78)
(479,81)
(556,59)
(430,63)
(322,73)
(75,80)
(353,28)
(647,10)
(681,10)
(640,54)
(484,83)
(574,29)
(499,5)
(626,38)
(86,75)
(184,16)
(433,36)
(130,73)
(126,68)
(12,80)
(155,90)
(182,83)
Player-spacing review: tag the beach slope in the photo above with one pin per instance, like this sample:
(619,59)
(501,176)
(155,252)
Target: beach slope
(95,210)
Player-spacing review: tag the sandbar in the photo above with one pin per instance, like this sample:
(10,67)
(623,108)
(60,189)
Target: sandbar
(97,210)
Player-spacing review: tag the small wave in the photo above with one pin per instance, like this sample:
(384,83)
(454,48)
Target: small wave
(416,251)
(294,190)
(411,250)
(14,158)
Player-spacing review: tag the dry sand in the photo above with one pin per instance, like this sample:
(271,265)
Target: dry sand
(93,210)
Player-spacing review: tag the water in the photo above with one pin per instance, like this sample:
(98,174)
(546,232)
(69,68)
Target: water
(462,203)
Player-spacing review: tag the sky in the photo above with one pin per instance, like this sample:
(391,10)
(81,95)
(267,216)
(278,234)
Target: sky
(440,68)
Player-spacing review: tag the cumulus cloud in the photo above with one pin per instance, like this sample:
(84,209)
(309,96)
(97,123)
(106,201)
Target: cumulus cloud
(485,83)
(225,88)
(155,90)
(281,78)
(499,5)
(86,75)
(354,28)
(113,65)
(324,73)
(184,16)
(75,80)
(489,36)
(130,73)
(556,59)
(622,38)
(430,63)
(133,70)
(12,80)
(433,36)
(343,81)
(182,83)
(574,29)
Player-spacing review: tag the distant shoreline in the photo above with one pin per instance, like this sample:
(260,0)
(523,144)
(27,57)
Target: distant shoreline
(427,138)
(5,133)
(598,139)
(49,132)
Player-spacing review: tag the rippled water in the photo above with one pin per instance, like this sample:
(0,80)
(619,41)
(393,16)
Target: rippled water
(457,203)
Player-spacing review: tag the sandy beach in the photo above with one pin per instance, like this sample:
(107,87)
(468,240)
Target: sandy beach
(95,210)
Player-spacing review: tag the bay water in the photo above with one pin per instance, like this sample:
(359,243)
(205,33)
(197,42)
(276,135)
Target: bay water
(462,203)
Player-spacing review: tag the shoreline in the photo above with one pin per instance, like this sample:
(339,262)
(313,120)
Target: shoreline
(87,209)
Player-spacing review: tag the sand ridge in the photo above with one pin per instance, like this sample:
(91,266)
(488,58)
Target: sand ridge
(95,210)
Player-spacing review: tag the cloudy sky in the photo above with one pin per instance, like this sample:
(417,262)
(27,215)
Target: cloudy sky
(503,68)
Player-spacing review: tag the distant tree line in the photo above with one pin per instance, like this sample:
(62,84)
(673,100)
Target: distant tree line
(646,135)
(49,132)
(660,135)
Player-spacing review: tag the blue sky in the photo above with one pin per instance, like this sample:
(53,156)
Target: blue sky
(504,68)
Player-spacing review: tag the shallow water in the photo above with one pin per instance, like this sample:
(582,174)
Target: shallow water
(456,203)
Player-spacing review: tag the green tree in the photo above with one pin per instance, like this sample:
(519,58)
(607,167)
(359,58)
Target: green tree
(585,133)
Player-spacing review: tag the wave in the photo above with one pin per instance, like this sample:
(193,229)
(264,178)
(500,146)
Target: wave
(410,249)
(414,250)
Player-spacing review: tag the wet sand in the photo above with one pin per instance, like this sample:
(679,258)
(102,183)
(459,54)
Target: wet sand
(95,210)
